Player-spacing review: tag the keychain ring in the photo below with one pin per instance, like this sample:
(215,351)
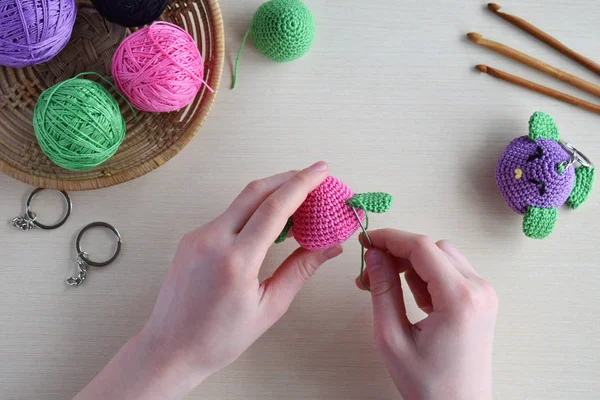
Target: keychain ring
(578,156)
(33,216)
(84,256)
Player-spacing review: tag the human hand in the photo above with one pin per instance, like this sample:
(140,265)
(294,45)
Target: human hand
(211,306)
(448,355)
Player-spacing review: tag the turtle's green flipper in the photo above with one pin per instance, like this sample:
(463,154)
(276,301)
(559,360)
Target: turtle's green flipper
(372,202)
(538,223)
(584,182)
(542,126)
(285,232)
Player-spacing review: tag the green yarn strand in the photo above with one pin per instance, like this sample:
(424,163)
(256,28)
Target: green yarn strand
(285,232)
(78,124)
(356,203)
(237,60)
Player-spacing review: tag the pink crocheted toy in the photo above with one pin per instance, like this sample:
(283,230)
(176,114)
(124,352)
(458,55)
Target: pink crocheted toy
(327,216)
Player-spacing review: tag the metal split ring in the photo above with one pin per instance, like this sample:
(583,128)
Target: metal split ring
(576,156)
(29,220)
(83,258)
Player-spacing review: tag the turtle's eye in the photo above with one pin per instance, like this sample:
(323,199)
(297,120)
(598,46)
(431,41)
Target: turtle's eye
(539,152)
(541,186)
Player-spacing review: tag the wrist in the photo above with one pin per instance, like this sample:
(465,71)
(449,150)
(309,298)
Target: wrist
(167,367)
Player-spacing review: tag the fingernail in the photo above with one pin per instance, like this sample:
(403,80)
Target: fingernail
(321,166)
(333,252)
(374,258)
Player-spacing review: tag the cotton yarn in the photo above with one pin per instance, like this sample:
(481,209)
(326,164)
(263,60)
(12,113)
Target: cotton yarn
(524,192)
(159,68)
(78,124)
(131,13)
(327,216)
(282,30)
(536,176)
(331,214)
(34,31)
(324,219)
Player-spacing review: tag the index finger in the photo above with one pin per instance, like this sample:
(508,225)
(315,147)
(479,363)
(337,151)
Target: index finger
(427,259)
(270,218)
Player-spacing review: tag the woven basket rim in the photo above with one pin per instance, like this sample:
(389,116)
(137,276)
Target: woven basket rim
(158,160)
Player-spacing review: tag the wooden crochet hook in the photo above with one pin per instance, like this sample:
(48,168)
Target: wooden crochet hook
(546,38)
(535,63)
(515,80)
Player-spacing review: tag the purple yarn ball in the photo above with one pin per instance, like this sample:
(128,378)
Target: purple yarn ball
(539,182)
(34,31)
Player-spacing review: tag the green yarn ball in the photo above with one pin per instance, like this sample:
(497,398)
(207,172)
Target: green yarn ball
(78,124)
(283,30)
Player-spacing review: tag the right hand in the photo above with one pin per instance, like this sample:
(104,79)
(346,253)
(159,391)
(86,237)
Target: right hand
(448,355)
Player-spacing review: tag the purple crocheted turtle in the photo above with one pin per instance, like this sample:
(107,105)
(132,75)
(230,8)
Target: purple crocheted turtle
(537,175)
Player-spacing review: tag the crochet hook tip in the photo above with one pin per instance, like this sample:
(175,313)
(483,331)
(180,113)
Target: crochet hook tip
(474,37)
(494,7)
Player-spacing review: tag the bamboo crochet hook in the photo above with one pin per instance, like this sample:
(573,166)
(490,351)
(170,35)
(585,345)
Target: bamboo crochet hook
(515,80)
(545,38)
(535,64)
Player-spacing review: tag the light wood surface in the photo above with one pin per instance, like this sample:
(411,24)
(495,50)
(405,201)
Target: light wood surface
(389,97)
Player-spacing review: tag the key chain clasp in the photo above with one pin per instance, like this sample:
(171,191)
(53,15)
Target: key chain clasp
(29,221)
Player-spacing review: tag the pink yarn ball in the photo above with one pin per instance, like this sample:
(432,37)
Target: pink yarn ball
(159,68)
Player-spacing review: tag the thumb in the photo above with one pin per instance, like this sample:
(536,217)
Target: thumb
(280,290)
(389,311)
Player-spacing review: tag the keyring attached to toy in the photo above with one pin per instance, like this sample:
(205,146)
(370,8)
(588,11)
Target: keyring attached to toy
(83,258)
(29,221)
(576,157)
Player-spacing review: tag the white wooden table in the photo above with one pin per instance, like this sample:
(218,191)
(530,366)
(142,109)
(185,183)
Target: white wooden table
(388,96)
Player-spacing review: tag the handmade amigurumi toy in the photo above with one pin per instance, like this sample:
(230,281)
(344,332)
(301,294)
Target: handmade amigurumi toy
(330,215)
(537,174)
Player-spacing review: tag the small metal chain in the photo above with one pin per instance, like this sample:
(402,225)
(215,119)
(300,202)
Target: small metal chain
(82,267)
(25,223)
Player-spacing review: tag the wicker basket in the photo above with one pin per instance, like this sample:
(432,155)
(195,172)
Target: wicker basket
(152,139)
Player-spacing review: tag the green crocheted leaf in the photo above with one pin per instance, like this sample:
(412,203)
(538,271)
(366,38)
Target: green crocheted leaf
(538,223)
(584,182)
(372,202)
(285,232)
(542,126)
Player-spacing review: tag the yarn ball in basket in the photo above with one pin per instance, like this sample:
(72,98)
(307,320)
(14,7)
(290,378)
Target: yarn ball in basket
(536,175)
(159,68)
(131,13)
(78,124)
(34,31)
(327,216)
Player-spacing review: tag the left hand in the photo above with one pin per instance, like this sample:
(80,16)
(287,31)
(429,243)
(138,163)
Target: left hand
(212,306)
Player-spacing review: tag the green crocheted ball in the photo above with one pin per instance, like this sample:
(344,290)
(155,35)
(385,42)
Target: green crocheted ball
(283,30)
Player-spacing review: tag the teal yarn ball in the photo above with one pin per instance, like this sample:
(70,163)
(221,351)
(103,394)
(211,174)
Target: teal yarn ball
(78,124)
(283,30)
